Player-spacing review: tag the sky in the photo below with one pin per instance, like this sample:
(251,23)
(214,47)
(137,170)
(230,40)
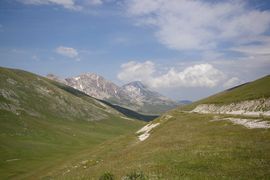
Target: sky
(184,49)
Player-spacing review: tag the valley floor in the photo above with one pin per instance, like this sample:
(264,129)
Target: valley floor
(45,147)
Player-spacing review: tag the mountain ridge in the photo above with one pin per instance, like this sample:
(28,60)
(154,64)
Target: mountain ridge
(134,95)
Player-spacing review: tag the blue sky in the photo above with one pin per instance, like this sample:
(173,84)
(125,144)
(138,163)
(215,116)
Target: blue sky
(183,49)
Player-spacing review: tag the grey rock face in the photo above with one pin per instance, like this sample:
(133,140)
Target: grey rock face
(134,95)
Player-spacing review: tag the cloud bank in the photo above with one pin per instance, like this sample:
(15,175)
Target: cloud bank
(200,75)
(201,25)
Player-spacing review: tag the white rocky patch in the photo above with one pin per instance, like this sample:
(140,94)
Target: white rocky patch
(145,131)
(248,123)
(11,81)
(10,160)
(123,117)
(81,87)
(43,90)
(167,117)
(256,108)
(98,82)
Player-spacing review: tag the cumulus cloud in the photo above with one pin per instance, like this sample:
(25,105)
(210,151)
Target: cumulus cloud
(68,52)
(197,24)
(201,75)
(68,4)
(136,71)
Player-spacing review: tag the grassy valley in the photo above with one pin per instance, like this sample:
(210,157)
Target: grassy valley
(44,123)
(52,131)
(186,146)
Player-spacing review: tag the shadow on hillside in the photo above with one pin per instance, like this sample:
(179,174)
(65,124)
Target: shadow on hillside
(127,112)
(130,113)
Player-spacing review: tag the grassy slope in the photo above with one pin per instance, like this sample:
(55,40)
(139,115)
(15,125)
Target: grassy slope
(43,122)
(253,90)
(186,146)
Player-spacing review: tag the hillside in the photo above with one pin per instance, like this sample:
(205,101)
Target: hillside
(195,146)
(258,89)
(43,122)
(184,145)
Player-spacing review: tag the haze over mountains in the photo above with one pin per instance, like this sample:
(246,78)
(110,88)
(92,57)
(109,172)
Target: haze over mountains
(133,95)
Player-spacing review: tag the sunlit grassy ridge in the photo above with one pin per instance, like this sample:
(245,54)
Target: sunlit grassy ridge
(44,123)
(253,90)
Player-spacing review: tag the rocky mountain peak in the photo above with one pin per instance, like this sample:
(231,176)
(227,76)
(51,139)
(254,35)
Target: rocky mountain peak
(134,95)
(94,85)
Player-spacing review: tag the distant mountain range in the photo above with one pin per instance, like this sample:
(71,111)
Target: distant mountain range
(134,95)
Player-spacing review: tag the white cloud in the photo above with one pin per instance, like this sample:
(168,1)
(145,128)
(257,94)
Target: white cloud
(232,82)
(68,52)
(68,4)
(136,71)
(197,24)
(201,75)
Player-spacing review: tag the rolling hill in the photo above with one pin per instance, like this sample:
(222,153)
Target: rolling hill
(258,89)
(42,122)
(186,145)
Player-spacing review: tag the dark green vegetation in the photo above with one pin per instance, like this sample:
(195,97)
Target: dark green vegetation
(43,124)
(254,90)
